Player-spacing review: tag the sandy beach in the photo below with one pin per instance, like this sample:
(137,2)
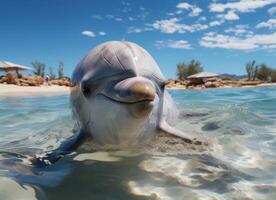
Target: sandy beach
(14,90)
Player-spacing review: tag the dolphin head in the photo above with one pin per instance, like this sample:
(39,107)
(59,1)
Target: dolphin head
(116,93)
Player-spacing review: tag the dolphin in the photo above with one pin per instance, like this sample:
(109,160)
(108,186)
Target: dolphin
(118,97)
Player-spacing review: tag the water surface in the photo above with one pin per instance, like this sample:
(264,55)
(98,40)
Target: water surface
(238,163)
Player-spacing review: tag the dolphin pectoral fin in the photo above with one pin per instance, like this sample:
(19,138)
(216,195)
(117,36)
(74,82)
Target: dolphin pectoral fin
(165,127)
(66,147)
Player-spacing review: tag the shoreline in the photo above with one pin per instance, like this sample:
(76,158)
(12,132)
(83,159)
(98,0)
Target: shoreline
(222,87)
(9,90)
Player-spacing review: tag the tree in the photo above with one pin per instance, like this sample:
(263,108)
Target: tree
(251,70)
(255,72)
(60,70)
(264,72)
(184,70)
(273,76)
(39,68)
(52,73)
(194,67)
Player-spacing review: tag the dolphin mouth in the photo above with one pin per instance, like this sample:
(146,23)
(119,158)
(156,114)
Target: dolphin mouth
(138,109)
(130,91)
(128,101)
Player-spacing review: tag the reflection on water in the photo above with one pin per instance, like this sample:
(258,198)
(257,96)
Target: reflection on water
(239,161)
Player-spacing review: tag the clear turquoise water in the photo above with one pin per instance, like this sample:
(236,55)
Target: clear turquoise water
(239,163)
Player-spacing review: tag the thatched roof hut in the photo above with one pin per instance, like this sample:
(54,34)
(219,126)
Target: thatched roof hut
(202,77)
(9,66)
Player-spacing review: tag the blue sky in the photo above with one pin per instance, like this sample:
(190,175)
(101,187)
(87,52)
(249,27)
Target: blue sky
(222,35)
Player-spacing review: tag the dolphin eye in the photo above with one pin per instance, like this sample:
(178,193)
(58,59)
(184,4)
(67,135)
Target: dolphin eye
(86,90)
(162,84)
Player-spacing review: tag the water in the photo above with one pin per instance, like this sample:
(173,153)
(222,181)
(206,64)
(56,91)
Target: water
(239,162)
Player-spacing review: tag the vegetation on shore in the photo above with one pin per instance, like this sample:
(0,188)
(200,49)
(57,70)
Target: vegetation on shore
(39,70)
(261,72)
(256,74)
(184,70)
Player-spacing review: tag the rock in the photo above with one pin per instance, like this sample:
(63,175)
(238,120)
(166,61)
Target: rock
(11,78)
(28,78)
(212,84)
(24,84)
(211,126)
(3,79)
(175,83)
(213,79)
(17,81)
(39,80)
(195,81)
(61,82)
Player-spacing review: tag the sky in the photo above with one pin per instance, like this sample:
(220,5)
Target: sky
(222,35)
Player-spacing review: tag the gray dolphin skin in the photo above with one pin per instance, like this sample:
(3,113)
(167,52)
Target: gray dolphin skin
(118,97)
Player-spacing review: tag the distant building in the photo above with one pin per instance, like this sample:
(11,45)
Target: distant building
(202,77)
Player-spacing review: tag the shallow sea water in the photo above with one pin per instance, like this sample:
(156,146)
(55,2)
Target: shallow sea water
(239,161)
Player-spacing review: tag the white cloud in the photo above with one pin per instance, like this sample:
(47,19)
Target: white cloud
(175,44)
(249,42)
(143,15)
(118,19)
(215,23)
(131,18)
(231,15)
(184,6)
(195,11)
(88,33)
(109,16)
(240,6)
(240,30)
(134,30)
(142,8)
(126,7)
(168,26)
(202,19)
(102,33)
(272,11)
(173,25)
(171,14)
(271,23)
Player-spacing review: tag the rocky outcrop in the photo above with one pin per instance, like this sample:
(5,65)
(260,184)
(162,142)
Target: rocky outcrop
(20,80)
(29,80)
(176,83)
(213,83)
(61,82)
(210,83)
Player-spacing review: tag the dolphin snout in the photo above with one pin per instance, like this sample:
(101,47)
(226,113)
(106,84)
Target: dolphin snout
(131,90)
(139,90)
